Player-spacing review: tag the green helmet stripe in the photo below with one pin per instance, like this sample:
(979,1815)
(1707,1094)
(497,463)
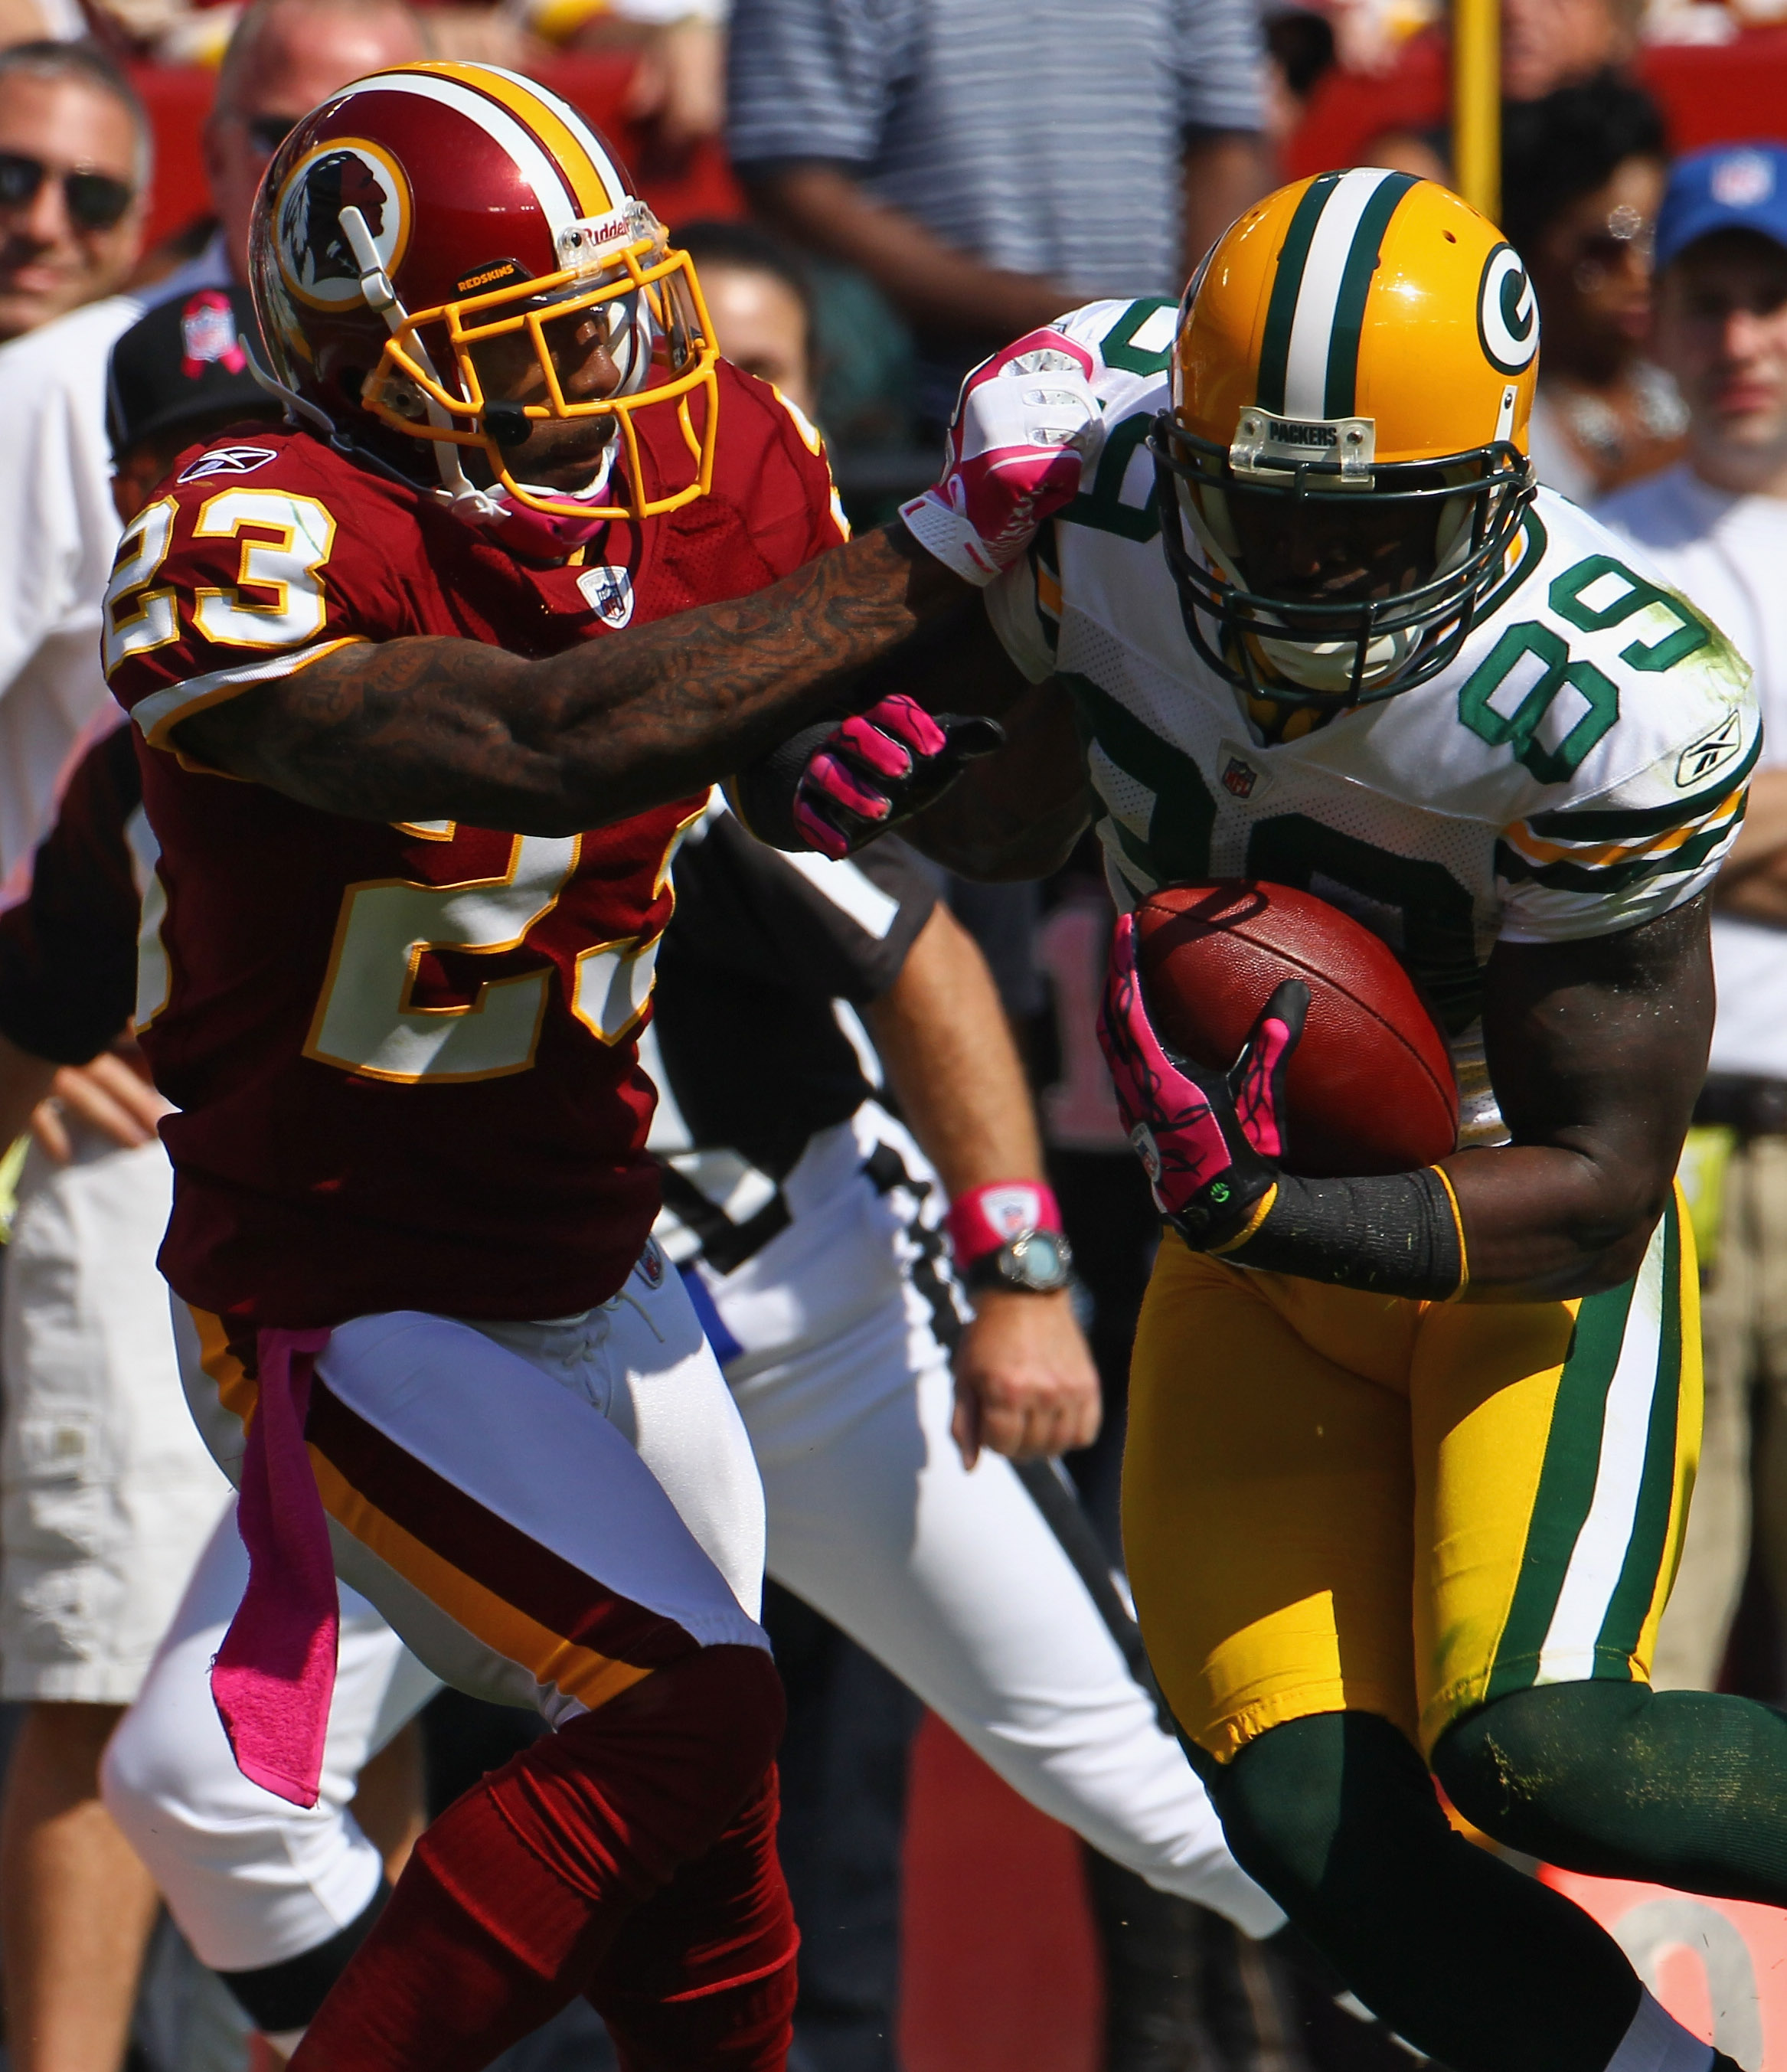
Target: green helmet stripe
(1274,350)
(1342,390)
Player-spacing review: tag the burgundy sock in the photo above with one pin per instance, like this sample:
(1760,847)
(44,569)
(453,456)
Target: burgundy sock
(513,1896)
(702,1976)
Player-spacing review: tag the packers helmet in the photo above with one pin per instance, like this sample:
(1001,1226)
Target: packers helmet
(1342,468)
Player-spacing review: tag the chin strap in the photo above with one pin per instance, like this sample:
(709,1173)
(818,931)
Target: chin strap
(457,491)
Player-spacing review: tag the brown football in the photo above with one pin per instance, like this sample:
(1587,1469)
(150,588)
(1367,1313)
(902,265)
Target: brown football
(1370,1088)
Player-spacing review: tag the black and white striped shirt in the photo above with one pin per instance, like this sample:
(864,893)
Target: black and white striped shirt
(1042,135)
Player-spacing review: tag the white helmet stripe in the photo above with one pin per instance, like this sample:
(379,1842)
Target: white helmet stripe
(1318,293)
(612,177)
(528,158)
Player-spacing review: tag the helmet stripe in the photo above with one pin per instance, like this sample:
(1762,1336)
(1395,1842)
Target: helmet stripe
(442,83)
(545,117)
(608,169)
(1340,387)
(1318,292)
(1286,283)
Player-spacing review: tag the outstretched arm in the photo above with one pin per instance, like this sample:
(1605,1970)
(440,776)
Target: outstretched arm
(420,730)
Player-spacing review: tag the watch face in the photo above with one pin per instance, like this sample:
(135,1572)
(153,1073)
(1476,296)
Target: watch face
(1040,1260)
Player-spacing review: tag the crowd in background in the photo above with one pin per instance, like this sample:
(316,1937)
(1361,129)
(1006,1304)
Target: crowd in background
(900,224)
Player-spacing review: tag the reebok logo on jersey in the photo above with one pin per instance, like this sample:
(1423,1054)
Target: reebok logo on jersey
(609,593)
(1704,758)
(229,460)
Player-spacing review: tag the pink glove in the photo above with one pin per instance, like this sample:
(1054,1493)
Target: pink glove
(1210,1141)
(1025,423)
(879,766)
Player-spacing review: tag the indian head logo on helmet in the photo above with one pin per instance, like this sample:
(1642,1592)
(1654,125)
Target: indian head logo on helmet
(316,259)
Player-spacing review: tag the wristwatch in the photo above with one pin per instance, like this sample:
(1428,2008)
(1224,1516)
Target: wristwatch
(1035,1262)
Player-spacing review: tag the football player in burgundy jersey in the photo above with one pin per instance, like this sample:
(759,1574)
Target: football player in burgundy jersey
(392,984)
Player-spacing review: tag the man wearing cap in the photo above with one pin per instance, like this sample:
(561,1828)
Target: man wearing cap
(1717,524)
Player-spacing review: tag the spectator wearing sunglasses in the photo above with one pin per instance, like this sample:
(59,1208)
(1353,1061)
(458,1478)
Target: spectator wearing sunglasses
(57,526)
(1583,175)
(74,163)
(284,57)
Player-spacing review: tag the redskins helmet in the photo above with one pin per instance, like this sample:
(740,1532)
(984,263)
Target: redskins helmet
(428,243)
(1342,468)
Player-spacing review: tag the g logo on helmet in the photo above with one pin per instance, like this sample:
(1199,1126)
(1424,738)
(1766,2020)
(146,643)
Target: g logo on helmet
(315,260)
(1507,312)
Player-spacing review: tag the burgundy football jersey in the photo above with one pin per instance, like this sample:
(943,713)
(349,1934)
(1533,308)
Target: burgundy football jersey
(403,1055)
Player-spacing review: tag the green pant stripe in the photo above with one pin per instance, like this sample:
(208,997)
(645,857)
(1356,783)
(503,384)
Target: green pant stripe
(1630,1604)
(1566,1485)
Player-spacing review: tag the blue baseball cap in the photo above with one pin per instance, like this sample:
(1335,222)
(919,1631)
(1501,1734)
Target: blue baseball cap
(1733,187)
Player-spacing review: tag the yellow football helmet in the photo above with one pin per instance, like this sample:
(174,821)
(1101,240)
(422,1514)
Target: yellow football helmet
(1346,441)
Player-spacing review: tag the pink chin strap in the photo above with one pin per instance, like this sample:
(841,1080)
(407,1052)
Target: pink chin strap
(547,536)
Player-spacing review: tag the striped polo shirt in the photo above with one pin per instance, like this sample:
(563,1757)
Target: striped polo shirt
(1042,135)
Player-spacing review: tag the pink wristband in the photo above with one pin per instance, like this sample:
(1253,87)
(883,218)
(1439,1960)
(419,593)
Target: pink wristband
(985,1218)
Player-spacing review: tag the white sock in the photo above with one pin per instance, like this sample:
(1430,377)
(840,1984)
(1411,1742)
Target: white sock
(1657,2042)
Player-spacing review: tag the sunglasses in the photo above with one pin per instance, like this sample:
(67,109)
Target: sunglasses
(95,201)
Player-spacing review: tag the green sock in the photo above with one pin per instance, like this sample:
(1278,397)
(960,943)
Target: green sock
(1681,1788)
(1476,1964)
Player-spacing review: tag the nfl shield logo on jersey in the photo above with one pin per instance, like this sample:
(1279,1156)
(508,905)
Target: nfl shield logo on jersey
(609,593)
(1239,777)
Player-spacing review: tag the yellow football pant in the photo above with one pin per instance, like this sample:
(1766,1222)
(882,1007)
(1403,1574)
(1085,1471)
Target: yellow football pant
(1335,1501)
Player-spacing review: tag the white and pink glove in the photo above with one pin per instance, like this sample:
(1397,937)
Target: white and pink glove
(1025,424)
(1210,1141)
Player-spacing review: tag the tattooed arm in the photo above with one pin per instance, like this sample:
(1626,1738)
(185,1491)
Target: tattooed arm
(426,729)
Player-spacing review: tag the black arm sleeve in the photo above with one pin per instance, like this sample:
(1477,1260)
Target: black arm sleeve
(761,945)
(1396,1234)
(68,952)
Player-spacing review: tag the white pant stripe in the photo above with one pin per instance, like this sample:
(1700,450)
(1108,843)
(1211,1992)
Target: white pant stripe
(1599,1555)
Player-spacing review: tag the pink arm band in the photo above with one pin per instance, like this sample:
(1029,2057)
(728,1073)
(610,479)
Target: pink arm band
(983,1218)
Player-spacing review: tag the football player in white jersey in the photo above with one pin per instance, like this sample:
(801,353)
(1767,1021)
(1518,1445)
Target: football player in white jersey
(1309,622)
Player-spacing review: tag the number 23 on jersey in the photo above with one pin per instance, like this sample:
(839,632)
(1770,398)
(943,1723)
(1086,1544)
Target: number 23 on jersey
(277,601)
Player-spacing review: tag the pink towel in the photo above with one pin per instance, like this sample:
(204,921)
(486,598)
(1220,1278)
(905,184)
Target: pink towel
(273,1678)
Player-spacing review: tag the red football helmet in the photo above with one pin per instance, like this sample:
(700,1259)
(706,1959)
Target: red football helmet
(428,247)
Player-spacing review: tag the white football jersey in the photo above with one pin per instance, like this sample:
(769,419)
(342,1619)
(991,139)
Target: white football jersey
(1579,768)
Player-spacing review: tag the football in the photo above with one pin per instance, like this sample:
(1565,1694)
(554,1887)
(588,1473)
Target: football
(1370,1088)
